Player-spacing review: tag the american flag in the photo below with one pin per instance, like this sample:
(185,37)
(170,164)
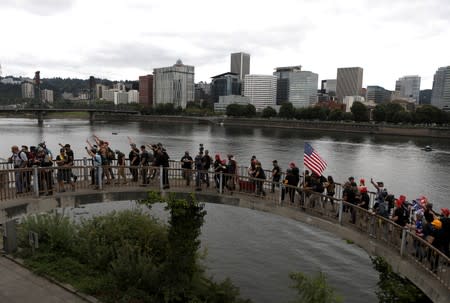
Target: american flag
(313,161)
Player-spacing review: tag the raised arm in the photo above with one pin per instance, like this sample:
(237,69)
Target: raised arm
(374,184)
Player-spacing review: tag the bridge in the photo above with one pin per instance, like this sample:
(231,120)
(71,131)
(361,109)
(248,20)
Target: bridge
(409,255)
(41,112)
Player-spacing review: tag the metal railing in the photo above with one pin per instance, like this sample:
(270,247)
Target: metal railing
(39,181)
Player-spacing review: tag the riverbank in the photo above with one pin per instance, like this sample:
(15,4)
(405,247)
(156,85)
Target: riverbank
(326,126)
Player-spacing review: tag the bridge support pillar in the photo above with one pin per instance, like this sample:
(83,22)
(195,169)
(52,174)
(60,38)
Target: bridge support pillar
(40,118)
(91,117)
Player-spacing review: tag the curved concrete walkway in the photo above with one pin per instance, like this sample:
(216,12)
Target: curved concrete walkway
(19,285)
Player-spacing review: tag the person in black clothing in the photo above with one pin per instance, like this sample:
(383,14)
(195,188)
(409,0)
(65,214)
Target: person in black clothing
(186,165)
(261,177)
(365,199)
(207,160)
(276,174)
(144,161)
(217,166)
(162,159)
(401,213)
(133,156)
(45,176)
(291,180)
(220,168)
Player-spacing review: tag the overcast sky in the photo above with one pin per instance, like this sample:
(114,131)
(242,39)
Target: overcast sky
(124,39)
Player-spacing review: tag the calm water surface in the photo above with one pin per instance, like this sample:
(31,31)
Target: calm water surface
(398,161)
(257,251)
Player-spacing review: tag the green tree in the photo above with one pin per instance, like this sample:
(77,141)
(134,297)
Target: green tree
(287,111)
(379,113)
(393,288)
(233,110)
(269,112)
(430,114)
(348,116)
(313,289)
(391,109)
(336,115)
(360,112)
(248,110)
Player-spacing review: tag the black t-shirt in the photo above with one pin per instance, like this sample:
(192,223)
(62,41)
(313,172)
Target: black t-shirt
(134,158)
(70,157)
(198,162)
(206,162)
(402,217)
(144,158)
(276,172)
(120,159)
(186,162)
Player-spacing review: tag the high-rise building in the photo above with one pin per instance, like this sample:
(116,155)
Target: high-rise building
(240,64)
(378,94)
(348,82)
(47,95)
(120,97)
(303,88)
(133,96)
(226,84)
(173,84)
(202,92)
(283,74)
(408,87)
(27,90)
(146,90)
(261,90)
(440,96)
(99,89)
(328,86)
(425,96)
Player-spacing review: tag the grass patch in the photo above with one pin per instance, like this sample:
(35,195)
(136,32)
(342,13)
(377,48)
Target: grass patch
(349,241)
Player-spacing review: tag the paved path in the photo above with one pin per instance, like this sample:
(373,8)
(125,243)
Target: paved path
(19,285)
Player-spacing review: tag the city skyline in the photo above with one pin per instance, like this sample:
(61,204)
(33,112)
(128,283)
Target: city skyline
(118,41)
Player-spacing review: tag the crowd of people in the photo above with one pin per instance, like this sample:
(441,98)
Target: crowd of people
(144,162)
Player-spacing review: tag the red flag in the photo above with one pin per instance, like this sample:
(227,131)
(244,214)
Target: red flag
(313,161)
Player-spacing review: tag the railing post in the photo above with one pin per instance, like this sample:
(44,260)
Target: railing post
(280,194)
(100,177)
(161,174)
(341,211)
(221,183)
(85,169)
(36,181)
(402,246)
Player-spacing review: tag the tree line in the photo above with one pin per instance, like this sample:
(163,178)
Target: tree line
(389,112)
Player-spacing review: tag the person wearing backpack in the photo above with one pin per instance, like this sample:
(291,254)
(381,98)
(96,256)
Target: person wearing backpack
(19,160)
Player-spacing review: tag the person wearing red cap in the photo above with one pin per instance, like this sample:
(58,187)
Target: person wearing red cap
(364,198)
(400,215)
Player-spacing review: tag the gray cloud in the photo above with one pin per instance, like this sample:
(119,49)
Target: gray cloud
(39,7)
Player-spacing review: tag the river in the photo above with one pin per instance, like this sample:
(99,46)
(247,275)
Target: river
(399,162)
